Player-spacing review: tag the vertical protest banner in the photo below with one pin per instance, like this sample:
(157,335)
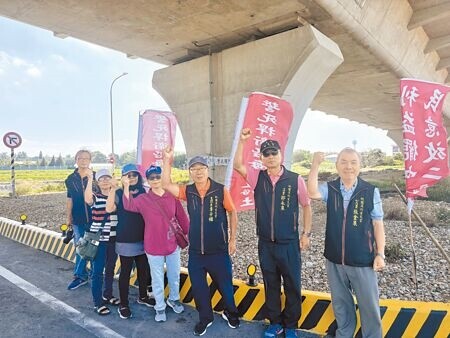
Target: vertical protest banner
(268,117)
(424,135)
(156,131)
(424,144)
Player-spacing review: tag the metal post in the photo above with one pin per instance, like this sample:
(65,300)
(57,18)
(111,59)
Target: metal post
(111,111)
(13,176)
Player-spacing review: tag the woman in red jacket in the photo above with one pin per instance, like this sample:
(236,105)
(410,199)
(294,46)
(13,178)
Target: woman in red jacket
(159,209)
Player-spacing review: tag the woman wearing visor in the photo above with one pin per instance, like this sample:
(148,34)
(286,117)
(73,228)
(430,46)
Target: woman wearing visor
(158,208)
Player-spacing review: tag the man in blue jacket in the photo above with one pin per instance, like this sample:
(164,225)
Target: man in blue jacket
(354,243)
(78,212)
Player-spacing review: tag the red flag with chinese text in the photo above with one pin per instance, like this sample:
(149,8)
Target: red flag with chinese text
(157,130)
(268,117)
(424,135)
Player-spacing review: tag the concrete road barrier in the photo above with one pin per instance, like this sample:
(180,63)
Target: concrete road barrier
(399,318)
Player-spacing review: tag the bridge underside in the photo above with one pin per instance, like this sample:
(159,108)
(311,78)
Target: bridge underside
(381,41)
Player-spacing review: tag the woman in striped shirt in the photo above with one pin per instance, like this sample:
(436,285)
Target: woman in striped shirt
(106,255)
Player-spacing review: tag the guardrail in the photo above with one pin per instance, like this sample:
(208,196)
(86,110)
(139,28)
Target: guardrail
(399,318)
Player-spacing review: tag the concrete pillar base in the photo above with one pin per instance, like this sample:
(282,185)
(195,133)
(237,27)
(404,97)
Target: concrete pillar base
(205,93)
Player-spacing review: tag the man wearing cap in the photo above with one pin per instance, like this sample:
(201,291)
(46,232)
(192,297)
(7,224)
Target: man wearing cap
(208,204)
(278,193)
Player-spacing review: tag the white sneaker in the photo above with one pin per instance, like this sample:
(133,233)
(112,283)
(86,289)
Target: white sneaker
(176,306)
(160,316)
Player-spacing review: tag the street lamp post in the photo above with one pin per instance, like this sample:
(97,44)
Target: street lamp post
(111,111)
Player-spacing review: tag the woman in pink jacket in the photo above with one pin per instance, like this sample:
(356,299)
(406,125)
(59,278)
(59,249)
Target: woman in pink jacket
(158,208)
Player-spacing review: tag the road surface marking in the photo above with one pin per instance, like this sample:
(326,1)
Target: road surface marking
(94,327)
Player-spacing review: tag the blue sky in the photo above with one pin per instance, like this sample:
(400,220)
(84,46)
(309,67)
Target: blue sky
(55,93)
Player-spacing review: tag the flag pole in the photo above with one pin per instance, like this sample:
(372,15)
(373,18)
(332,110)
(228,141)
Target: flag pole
(424,226)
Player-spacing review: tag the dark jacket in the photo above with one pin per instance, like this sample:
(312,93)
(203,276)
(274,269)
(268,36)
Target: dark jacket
(349,237)
(130,225)
(81,212)
(208,231)
(277,207)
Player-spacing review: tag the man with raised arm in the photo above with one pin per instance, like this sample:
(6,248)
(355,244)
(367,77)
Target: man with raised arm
(211,239)
(278,193)
(354,243)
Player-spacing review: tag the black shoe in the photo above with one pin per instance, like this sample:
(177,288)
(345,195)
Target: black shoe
(150,302)
(111,301)
(200,328)
(124,312)
(233,320)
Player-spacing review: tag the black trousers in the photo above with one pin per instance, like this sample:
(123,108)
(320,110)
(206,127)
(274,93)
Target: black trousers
(281,261)
(143,276)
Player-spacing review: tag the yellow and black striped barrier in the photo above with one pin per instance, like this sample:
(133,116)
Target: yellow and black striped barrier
(399,318)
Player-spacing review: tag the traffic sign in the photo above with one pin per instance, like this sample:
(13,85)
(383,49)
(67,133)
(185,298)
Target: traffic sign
(12,140)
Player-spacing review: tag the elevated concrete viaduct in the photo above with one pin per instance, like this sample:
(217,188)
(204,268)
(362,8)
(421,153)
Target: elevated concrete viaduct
(219,51)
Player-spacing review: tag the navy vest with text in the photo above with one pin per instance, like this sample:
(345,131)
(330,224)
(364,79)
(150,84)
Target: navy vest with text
(349,235)
(277,207)
(208,231)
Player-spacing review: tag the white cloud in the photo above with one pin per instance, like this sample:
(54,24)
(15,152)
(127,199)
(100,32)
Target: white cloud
(34,71)
(8,62)
(57,57)
(18,62)
(61,62)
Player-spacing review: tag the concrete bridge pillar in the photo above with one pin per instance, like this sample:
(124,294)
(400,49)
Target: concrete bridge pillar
(205,93)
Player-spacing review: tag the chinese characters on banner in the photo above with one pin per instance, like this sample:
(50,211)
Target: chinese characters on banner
(156,131)
(424,135)
(268,117)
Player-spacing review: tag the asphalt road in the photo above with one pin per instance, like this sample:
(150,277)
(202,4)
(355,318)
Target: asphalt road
(35,303)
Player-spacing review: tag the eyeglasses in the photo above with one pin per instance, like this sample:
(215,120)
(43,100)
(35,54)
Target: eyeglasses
(198,169)
(269,152)
(83,158)
(132,175)
(104,179)
(154,177)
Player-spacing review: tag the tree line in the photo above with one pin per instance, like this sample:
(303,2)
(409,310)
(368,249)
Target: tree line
(68,161)
(371,158)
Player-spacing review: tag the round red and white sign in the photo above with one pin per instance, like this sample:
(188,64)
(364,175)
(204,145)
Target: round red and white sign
(12,140)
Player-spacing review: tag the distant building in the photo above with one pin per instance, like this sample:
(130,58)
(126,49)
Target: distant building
(395,149)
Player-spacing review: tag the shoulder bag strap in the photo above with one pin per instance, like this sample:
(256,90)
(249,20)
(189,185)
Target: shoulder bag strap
(164,213)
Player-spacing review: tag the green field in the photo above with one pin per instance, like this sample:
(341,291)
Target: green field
(30,182)
(52,180)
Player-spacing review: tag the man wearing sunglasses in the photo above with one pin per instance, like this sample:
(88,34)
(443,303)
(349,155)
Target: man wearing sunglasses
(278,193)
(208,204)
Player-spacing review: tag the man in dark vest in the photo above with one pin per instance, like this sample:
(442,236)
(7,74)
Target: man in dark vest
(278,193)
(354,243)
(211,239)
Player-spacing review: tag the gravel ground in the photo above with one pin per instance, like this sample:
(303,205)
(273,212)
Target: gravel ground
(48,211)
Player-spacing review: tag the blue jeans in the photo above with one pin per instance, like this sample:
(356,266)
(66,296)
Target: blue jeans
(219,268)
(79,269)
(98,265)
(106,256)
(111,258)
(173,277)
